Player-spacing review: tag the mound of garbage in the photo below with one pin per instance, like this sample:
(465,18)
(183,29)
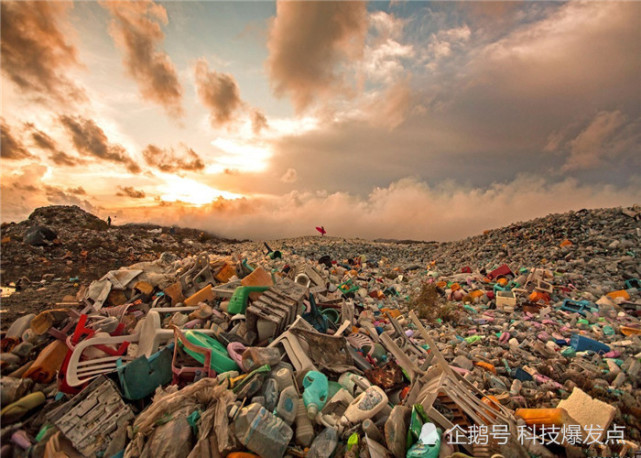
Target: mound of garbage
(523,341)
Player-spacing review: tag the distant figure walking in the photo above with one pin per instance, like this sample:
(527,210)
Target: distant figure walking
(321,230)
(109,221)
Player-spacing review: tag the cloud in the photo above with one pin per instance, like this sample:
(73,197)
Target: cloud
(290,176)
(136,29)
(79,191)
(441,213)
(390,108)
(24,189)
(218,92)
(90,139)
(166,159)
(129,191)
(35,50)
(589,147)
(308,42)
(10,146)
(259,121)
(45,142)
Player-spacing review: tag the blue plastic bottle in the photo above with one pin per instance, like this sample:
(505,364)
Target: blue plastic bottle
(316,388)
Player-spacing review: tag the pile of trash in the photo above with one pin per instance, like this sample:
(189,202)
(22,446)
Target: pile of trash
(64,240)
(324,347)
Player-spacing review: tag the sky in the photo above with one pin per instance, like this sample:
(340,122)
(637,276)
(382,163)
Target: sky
(262,120)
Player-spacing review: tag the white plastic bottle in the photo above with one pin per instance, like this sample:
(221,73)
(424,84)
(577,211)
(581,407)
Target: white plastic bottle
(365,406)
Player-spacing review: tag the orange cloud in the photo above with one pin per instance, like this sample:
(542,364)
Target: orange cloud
(218,92)
(446,213)
(45,142)
(35,52)
(90,139)
(10,146)
(308,40)
(166,159)
(136,29)
(259,122)
(129,191)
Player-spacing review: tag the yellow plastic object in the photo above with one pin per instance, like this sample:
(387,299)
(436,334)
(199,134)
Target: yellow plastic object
(455,286)
(628,331)
(502,281)
(486,366)
(620,293)
(21,407)
(48,362)
(555,416)
(476,293)
(395,313)
(205,294)
(259,277)
(225,274)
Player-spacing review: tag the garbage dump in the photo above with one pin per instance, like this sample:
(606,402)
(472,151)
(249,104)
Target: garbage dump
(521,342)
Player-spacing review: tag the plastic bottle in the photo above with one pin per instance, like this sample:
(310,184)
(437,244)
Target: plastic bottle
(304,428)
(428,445)
(262,432)
(287,405)
(556,416)
(254,357)
(270,392)
(353,383)
(582,343)
(315,394)
(284,378)
(324,444)
(372,431)
(366,405)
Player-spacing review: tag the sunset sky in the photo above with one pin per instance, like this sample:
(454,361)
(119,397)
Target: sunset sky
(402,119)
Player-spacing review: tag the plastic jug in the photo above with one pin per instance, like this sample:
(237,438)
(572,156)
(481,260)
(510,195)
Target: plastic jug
(262,432)
(366,405)
(428,445)
(288,405)
(353,383)
(254,357)
(304,428)
(324,444)
(270,393)
(284,378)
(44,368)
(315,394)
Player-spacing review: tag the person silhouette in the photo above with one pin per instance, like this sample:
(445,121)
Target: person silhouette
(109,221)
(321,229)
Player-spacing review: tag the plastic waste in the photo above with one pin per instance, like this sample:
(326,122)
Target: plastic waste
(270,393)
(304,428)
(262,432)
(288,405)
(366,405)
(324,444)
(254,357)
(315,395)
(582,343)
(429,443)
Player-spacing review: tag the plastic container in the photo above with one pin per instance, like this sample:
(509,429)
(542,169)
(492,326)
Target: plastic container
(254,357)
(220,360)
(288,405)
(556,416)
(428,445)
(315,395)
(284,378)
(262,432)
(353,383)
(324,444)
(304,428)
(48,362)
(582,343)
(238,301)
(366,405)
(270,393)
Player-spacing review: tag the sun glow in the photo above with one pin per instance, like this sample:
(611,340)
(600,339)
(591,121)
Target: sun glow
(192,192)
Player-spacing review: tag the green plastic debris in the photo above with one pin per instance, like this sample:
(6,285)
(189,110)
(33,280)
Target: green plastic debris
(473,339)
